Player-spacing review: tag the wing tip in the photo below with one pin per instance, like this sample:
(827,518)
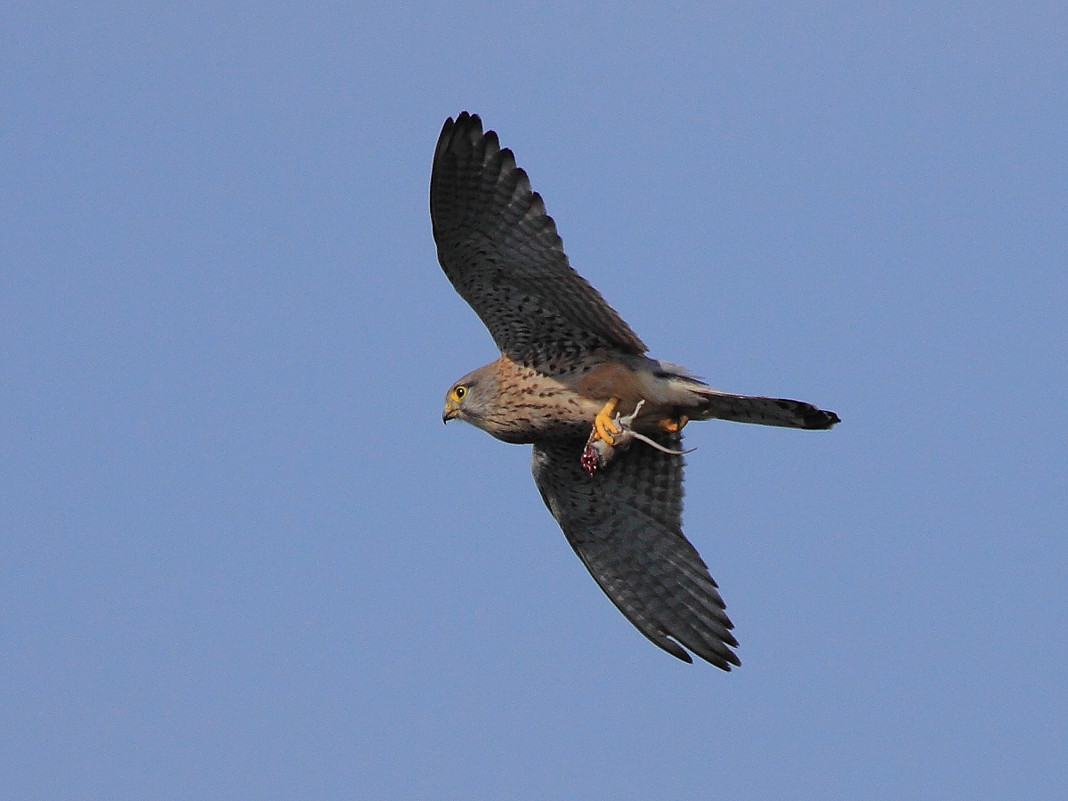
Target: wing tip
(462,133)
(464,136)
(722,657)
(465,121)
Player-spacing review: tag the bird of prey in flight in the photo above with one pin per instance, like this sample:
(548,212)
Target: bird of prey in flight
(573,380)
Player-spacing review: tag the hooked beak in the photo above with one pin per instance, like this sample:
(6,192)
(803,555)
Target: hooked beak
(450,412)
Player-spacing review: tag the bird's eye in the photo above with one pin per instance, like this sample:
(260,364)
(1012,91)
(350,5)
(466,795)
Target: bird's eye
(459,393)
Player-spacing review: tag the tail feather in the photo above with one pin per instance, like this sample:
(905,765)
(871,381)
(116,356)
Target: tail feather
(763,411)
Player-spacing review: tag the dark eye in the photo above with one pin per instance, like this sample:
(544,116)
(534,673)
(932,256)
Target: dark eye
(459,392)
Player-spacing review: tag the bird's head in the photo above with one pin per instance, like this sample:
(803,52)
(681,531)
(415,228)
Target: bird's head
(468,398)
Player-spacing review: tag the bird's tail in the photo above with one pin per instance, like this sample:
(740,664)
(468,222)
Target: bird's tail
(763,411)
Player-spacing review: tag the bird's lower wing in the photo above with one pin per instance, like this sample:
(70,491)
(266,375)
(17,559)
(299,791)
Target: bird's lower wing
(624,522)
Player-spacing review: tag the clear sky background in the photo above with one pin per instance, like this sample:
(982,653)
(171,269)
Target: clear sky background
(241,558)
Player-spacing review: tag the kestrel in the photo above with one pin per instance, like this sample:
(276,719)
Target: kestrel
(573,380)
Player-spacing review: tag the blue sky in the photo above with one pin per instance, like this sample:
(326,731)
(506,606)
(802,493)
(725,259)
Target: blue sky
(240,557)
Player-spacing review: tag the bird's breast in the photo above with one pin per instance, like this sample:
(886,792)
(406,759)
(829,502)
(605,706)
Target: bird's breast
(528,406)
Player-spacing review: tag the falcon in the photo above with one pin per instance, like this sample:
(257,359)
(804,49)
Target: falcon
(574,381)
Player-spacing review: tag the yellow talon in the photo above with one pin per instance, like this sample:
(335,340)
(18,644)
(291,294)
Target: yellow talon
(603,426)
(674,424)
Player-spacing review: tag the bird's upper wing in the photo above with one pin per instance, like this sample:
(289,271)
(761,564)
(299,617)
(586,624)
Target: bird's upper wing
(624,522)
(501,251)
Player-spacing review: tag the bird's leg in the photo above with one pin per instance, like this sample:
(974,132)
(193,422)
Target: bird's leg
(673,424)
(600,447)
(629,433)
(599,451)
(604,427)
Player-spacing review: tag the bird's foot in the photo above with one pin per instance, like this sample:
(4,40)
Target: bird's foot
(673,424)
(604,427)
(599,451)
(601,445)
